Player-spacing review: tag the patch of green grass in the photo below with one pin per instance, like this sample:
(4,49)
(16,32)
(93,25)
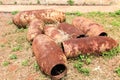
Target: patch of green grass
(93,14)
(21,42)
(17,48)
(30,3)
(117,12)
(85,71)
(85,58)
(112,14)
(36,66)
(113,52)
(13,56)
(2,45)
(21,39)
(1,2)
(25,63)
(115,23)
(70,2)
(117,70)
(82,60)
(88,61)
(79,64)
(10,22)
(77,13)
(5,63)
(20,30)
(15,2)
(79,67)
(14,12)
(111,18)
(38,2)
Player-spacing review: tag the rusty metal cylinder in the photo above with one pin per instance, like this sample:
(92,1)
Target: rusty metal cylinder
(88,45)
(22,19)
(57,35)
(35,28)
(89,27)
(49,56)
(71,30)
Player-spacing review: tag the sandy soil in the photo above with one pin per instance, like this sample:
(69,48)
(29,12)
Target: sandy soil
(79,2)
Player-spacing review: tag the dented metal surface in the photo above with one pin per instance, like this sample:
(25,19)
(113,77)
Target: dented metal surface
(47,15)
(71,30)
(88,45)
(35,28)
(89,27)
(49,56)
(57,35)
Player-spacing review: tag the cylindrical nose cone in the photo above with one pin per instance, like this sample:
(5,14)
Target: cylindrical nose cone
(88,45)
(49,56)
(89,27)
(71,30)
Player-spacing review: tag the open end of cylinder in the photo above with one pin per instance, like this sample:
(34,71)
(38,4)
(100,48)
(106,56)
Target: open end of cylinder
(58,71)
(80,36)
(62,47)
(103,34)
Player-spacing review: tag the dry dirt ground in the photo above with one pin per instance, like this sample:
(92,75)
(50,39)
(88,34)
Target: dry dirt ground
(23,66)
(10,8)
(63,2)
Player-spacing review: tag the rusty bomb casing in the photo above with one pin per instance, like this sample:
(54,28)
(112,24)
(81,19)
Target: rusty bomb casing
(47,15)
(57,35)
(35,28)
(88,45)
(49,56)
(89,27)
(71,30)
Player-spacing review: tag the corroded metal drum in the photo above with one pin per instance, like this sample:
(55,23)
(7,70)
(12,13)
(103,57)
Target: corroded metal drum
(34,28)
(56,34)
(71,30)
(89,27)
(49,56)
(22,19)
(88,45)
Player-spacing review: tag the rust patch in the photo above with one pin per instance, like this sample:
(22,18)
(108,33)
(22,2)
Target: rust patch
(47,15)
(49,56)
(71,30)
(35,28)
(89,27)
(88,45)
(57,35)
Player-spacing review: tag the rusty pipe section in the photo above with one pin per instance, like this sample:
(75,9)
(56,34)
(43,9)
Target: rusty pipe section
(89,27)
(49,56)
(35,28)
(71,30)
(88,45)
(23,18)
(57,35)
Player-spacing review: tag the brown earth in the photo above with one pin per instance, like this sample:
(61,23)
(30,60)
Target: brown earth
(11,37)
